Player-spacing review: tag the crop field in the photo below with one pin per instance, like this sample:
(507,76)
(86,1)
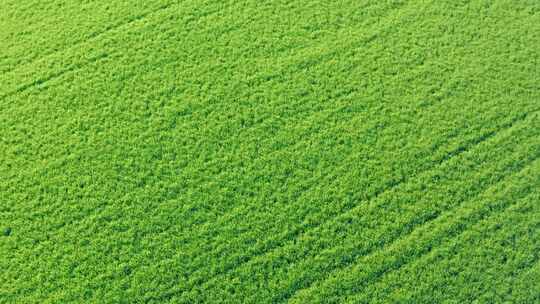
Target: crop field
(196,151)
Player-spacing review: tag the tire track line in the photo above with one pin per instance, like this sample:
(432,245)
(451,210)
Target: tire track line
(463,227)
(96,35)
(55,75)
(297,234)
(81,65)
(72,67)
(455,233)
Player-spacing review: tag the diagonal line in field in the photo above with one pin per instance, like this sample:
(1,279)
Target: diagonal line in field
(295,235)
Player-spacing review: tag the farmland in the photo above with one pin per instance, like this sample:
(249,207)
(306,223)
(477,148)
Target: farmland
(269,151)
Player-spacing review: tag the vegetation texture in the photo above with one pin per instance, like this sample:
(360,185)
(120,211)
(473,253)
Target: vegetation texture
(197,151)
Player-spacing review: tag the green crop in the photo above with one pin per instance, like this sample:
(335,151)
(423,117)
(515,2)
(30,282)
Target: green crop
(270,151)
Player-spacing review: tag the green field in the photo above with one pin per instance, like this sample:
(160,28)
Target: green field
(195,151)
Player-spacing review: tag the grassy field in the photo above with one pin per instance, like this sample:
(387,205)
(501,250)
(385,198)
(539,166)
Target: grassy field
(269,151)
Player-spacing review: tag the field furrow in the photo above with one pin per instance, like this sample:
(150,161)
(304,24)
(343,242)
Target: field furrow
(500,233)
(333,238)
(421,242)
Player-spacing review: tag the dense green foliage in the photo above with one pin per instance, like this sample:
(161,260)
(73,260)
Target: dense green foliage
(269,151)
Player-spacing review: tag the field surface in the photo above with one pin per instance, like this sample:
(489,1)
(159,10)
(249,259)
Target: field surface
(244,151)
